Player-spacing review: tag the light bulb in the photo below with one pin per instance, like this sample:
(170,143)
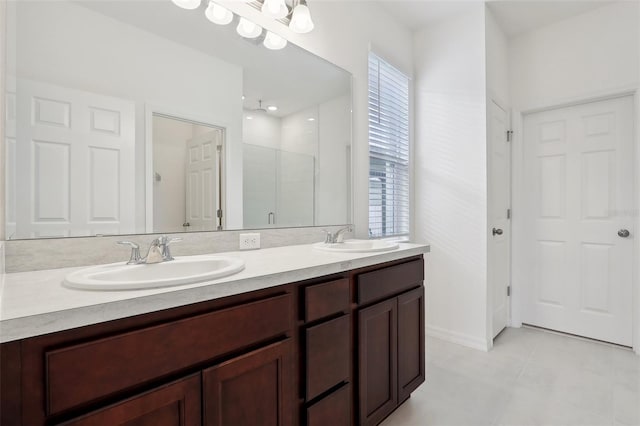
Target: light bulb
(187,4)
(272,107)
(274,42)
(301,19)
(248,29)
(218,14)
(276,9)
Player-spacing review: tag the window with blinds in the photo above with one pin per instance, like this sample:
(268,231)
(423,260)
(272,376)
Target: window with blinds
(388,150)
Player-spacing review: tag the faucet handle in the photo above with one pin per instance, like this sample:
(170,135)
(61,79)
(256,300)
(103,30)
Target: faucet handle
(165,241)
(135,257)
(328,236)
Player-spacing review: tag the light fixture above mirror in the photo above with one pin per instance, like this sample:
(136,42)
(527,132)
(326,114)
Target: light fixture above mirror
(296,16)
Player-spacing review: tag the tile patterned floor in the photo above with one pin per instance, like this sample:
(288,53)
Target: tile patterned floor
(531,377)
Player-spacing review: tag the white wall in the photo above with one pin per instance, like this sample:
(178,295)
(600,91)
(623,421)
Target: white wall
(344,33)
(261,129)
(451,174)
(497,52)
(170,76)
(332,181)
(588,55)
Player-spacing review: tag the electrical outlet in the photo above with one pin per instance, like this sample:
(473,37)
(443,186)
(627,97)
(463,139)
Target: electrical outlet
(249,241)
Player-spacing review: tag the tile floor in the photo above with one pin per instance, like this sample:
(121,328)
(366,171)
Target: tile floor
(531,377)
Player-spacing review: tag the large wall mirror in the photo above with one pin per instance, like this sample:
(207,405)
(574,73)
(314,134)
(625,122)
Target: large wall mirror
(137,116)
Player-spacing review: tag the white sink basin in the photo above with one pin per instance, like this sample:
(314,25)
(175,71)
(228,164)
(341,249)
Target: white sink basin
(357,246)
(188,270)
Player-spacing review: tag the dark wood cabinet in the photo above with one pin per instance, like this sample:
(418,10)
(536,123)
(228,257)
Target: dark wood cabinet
(378,365)
(343,349)
(253,389)
(332,410)
(391,342)
(328,355)
(411,342)
(175,404)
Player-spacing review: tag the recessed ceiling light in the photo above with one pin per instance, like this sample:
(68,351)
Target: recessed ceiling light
(249,117)
(243,97)
(272,108)
(311,119)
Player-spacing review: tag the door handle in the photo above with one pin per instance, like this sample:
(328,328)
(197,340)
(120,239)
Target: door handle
(497,231)
(624,233)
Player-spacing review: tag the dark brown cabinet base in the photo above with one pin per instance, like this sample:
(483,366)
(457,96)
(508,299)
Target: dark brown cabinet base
(176,404)
(344,349)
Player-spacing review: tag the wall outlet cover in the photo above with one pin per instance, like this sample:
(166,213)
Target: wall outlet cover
(250,241)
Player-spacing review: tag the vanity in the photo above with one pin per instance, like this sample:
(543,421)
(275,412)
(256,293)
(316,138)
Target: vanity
(317,339)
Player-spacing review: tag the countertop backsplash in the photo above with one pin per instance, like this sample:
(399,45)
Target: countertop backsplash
(53,253)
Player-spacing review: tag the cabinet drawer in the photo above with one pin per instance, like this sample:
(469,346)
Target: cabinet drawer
(386,282)
(176,404)
(334,409)
(327,355)
(322,300)
(89,371)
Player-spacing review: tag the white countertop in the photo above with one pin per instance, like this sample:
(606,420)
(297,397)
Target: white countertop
(36,303)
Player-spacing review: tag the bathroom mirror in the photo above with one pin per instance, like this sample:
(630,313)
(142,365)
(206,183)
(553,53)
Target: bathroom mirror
(138,117)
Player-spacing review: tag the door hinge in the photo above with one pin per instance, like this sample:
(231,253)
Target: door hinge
(508,290)
(508,213)
(219,213)
(509,135)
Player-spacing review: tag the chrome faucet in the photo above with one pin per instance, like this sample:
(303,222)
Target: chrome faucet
(336,237)
(159,251)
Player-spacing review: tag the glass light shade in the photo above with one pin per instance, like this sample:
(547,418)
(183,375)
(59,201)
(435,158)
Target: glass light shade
(187,4)
(276,9)
(301,19)
(274,42)
(218,14)
(248,29)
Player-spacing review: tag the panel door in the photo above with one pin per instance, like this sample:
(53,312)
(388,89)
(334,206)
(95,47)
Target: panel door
(499,220)
(579,191)
(73,163)
(253,389)
(203,192)
(411,342)
(176,404)
(378,366)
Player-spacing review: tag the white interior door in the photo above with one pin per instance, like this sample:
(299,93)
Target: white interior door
(578,180)
(499,217)
(72,163)
(203,195)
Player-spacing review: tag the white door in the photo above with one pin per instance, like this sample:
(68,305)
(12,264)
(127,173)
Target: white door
(578,180)
(203,191)
(499,217)
(72,163)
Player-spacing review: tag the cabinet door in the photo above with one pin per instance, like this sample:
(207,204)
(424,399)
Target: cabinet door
(252,389)
(176,404)
(410,342)
(378,369)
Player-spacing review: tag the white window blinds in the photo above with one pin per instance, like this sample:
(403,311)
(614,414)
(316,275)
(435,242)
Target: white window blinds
(388,150)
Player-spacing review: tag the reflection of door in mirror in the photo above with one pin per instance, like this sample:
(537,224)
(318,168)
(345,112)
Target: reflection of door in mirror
(187,175)
(72,158)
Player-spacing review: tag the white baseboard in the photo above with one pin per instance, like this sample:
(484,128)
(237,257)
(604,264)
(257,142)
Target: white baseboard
(457,338)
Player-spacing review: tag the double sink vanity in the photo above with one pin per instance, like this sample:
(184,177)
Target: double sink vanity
(314,334)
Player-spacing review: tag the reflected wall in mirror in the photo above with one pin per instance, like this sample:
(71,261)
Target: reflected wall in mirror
(117,123)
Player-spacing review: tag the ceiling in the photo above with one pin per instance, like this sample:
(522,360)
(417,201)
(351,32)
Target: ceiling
(514,16)
(292,78)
